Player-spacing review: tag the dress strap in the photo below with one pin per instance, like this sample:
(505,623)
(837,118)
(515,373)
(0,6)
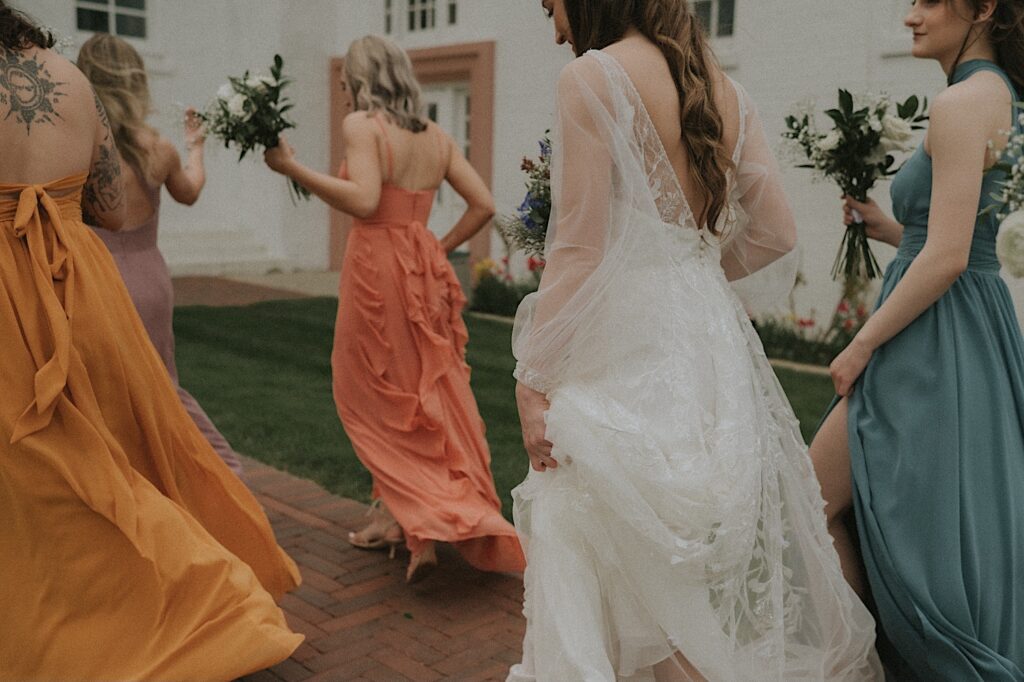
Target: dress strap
(387,146)
(443,148)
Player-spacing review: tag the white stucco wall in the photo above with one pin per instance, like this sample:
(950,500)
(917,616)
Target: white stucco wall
(782,51)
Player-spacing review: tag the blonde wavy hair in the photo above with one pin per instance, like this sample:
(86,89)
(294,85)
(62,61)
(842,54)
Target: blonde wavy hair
(380,77)
(118,75)
(675,29)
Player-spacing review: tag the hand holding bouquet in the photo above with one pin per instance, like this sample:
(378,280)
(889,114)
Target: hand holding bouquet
(855,153)
(527,229)
(249,113)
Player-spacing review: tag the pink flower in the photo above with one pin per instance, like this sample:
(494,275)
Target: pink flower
(862,311)
(848,325)
(844,307)
(805,322)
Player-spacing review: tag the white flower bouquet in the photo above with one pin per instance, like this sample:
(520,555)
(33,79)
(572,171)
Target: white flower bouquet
(1010,206)
(249,113)
(855,153)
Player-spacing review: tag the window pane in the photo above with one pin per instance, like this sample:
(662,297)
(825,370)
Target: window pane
(131,4)
(412,16)
(702,9)
(453,12)
(131,26)
(726,17)
(432,112)
(93,20)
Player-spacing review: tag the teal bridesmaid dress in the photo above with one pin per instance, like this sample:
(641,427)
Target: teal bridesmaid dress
(936,433)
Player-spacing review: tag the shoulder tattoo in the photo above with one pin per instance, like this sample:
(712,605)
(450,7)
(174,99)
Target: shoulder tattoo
(28,90)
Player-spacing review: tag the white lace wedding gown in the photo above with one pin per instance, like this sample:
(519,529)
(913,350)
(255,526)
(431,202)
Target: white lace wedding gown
(685,515)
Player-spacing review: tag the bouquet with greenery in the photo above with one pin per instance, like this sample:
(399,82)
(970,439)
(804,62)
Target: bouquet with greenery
(1010,209)
(855,153)
(527,229)
(249,113)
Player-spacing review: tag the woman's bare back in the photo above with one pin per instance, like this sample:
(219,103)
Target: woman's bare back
(52,126)
(420,159)
(647,68)
(48,117)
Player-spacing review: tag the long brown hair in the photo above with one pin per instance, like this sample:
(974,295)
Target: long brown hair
(676,31)
(1006,33)
(18,32)
(118,76)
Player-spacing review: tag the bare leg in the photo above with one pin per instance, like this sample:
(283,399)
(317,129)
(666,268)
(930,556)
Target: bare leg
(830,453)
(677,669)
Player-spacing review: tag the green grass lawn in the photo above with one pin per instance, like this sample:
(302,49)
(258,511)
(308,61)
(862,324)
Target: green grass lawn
(263,373)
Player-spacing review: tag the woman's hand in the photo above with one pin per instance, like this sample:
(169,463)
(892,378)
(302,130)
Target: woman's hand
(532,406)
(195,135)
(849,365)
(880,227)
(281,158)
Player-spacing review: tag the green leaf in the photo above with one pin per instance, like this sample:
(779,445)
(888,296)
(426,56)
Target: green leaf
(846,102)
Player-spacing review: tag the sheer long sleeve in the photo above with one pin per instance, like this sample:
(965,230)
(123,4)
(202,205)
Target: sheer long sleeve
(758,253)
(577,242)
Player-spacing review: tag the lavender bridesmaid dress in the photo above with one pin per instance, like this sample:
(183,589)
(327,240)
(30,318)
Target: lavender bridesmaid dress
(145,273)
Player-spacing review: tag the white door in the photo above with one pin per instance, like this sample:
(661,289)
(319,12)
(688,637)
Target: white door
(447,105)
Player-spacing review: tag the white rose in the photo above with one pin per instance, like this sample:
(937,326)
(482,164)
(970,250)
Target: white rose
(236,107)
(225,92)
(896,133)
(875,124)
(1010,243)
(830,141)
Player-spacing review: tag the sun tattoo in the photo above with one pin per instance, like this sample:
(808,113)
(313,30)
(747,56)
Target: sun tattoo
(28,89)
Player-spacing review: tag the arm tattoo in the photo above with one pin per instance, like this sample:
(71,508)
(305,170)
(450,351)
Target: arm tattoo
(28,90)
(104,190)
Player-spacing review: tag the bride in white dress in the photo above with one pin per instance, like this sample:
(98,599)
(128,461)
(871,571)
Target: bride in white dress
(672,523)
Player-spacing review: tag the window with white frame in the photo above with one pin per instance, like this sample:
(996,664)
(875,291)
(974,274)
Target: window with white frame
(422,15)
(718,17)
(126,18)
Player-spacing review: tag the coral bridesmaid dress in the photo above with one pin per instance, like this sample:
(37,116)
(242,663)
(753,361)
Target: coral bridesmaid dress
(401,384)
(128,550)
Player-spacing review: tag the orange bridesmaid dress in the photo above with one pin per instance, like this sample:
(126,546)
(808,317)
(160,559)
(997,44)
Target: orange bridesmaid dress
(401,383)
(128,550)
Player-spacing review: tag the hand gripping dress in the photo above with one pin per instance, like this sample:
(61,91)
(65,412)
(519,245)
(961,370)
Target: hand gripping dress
(684,516)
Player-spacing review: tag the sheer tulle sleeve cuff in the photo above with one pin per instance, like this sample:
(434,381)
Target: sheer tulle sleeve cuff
(531,378)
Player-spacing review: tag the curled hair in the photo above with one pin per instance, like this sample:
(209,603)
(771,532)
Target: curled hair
(18,32)
(1006,33)
(380,77)
(676,31)
(118,76)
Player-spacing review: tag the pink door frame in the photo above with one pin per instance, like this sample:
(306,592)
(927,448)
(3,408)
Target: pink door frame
(471,63)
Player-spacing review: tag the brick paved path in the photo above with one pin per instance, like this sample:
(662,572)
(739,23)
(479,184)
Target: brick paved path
(361,621)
